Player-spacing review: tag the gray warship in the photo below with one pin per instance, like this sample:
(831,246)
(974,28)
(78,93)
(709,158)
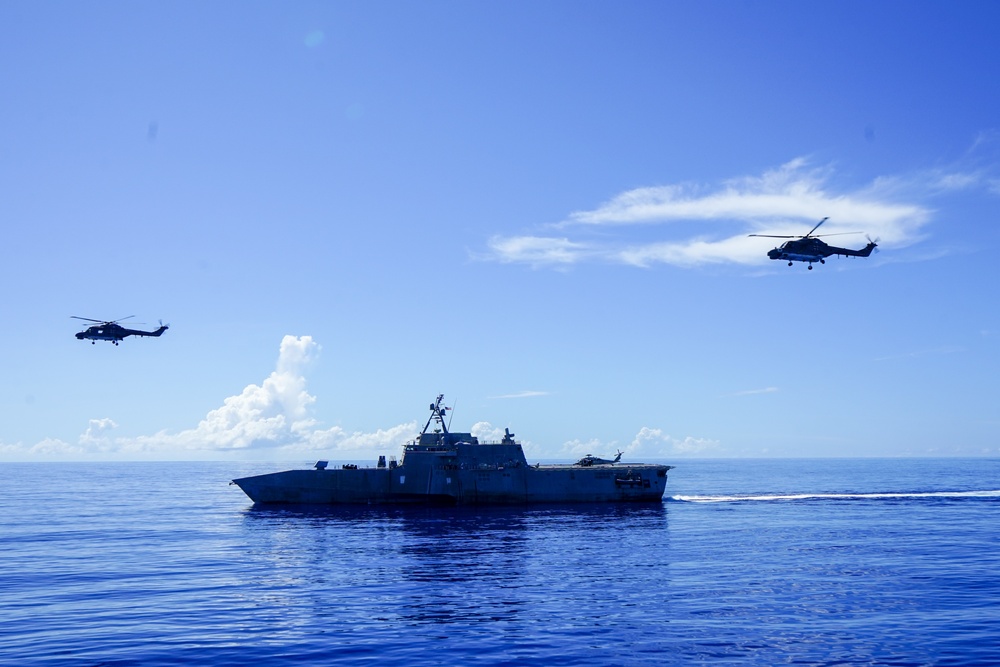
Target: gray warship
(443,467)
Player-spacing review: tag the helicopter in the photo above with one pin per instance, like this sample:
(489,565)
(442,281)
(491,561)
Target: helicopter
(591,460)
(810,249)
(112,331)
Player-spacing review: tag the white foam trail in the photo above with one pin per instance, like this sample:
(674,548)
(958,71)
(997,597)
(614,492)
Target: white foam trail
(838,496)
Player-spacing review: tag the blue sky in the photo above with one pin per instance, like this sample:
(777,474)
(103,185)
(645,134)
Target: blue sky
(540,210)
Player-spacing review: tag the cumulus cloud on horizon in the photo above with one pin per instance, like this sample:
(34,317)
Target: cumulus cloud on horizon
(711,224)
(276,414)
(651,442)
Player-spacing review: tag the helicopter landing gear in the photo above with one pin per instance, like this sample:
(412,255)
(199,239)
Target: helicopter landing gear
(810,267)
(822,261)
(789,264)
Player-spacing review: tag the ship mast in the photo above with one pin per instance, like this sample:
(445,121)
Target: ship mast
(437,415)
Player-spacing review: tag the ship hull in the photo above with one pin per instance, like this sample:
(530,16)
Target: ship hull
(511,486)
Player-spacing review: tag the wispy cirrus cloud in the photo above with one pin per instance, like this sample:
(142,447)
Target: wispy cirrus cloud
(523,394)
(710,224)
(754,392)
(926,352)
(539,250)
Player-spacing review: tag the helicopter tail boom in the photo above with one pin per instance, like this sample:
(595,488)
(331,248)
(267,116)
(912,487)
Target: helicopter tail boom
(864,252)
(158,332)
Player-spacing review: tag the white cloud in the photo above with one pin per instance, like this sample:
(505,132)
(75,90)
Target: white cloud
(648,442)
(275,415)
(382,440)
(50,448)
(487,432)
(654,442)
(537,250)
(754,392)
(705,224)
(524,394)
(97,431)
(791,191)
(736,249)
(957,181)
(584,447)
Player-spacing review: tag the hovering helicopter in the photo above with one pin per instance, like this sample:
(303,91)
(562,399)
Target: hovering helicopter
(810,249)
(112,331)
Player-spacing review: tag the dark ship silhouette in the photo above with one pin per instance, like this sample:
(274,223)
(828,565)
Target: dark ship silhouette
(443,467)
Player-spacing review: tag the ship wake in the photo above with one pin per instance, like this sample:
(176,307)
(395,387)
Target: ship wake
(836,496)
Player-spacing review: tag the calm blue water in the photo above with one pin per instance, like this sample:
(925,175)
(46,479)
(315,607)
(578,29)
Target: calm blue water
(751,562)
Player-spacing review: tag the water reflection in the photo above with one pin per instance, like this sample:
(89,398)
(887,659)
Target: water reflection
(444,524)
(442,565)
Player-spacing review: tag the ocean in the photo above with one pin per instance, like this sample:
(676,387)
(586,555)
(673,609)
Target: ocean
(745,562)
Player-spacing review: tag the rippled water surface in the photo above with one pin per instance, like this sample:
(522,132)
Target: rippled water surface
(753,562)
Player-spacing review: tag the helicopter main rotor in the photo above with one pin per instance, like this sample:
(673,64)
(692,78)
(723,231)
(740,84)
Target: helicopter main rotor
(809,235)
(90,319)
